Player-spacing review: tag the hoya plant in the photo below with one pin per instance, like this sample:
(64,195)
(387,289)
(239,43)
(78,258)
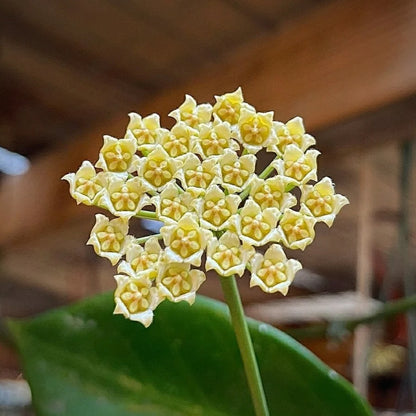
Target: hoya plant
(220,211)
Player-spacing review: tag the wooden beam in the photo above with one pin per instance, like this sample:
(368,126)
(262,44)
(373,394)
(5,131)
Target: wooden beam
(341,60)
(392,123)
(55,83)
(362,335)
(337,62)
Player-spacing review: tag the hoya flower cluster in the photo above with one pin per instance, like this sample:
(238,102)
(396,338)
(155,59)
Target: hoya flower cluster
(219,211)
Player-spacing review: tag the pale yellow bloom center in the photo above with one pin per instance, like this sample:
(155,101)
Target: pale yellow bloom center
(176,146)
(255,227)
(157,172)
(285,138)
(198,177)
(272,273)
(173,208)
(227,257)
(110,239)
(297,169)
(235,174)
(254,132)
(190,118)
(88,187)
(185,242)
(135,297)
(228,111)
(144,261)
(177,281)
(117,158)
(319,204)
(296,230)
(267,197)
(213,144)
(124,199)
(216,212)
(144,136)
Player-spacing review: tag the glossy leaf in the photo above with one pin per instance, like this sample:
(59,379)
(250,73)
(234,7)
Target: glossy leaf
(82,360)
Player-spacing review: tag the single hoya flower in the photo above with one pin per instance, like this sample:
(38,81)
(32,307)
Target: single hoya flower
(145,130)
(197,176)
(185,241)
(180,140)
(136,299)
(293,132)
(118,155)
(86,186)
(228,106)
(191,113)
(296,229)
(298,167)
(227,256)
(256,129)
(321,202)
(214,138)
(271,193)
(158,168)
(109,238)
(125,198)
(237,172)
(273,272)
(255,226)
(172,204)
(177,282)
(142,261)
(217,210)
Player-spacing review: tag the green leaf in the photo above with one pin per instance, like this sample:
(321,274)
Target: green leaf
(82,360)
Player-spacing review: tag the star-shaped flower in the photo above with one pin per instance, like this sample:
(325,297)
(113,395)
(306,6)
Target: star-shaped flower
(255,226)
(109,238)
(185,241)
(321,202)
(146,131)
(86,186)
(296,229)
(177,282)
(118,155)
(227,256)
(273,272)
(136,299)
(293,132)
(192,114)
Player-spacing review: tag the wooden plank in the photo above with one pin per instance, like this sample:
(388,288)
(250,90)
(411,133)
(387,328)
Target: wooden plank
(328,66)
(106,32)
(362,335)
(325,307)
(392,123)
(272,12)
(53,81)
(211,26)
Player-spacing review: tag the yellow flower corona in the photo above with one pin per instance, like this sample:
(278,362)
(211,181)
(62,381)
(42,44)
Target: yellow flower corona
(205,181)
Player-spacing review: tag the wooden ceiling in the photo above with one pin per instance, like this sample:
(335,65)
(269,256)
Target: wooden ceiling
(66,65)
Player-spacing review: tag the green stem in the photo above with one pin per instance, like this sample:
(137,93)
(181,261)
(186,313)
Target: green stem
(238,320)
(5,335)
(263,175)
(267,171)
(144,239)
(146,214)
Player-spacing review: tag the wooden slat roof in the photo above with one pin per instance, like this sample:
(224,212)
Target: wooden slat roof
(72,64)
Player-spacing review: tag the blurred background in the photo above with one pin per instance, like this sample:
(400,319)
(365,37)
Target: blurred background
(70,71)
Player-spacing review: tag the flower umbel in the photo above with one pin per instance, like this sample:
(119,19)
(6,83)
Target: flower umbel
(205,181)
